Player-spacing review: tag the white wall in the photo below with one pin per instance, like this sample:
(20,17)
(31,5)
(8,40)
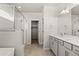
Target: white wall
(21,24)
(12,40)
(25,31)
(50,24)
(29,18)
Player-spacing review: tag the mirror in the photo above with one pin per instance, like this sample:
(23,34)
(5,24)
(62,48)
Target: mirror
(6,17)
(19,19)
(75,20)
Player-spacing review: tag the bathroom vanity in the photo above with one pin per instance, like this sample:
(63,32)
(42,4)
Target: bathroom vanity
(66,45)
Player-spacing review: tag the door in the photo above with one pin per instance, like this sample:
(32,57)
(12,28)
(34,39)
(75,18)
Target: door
(69,53)
(34,31)
(61,50)
(54,45)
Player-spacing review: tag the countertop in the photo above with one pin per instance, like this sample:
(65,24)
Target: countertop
(68,38)
(6,51)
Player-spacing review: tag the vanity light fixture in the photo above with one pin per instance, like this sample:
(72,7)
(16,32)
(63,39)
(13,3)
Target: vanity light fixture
(65,11)
(19,7)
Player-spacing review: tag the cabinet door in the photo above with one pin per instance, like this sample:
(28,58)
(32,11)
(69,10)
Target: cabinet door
(68,45)
(76,49)
(51,42)
(55,47)
(69,53)
(73,54)
(61,50)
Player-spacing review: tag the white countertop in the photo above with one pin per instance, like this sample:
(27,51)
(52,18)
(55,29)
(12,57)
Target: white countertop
(68,38)
(6,51)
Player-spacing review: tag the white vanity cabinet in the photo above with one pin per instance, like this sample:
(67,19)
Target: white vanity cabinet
(53,45)
(76,49)
(69,53)
(70,49)
(51,42)
(68,45)
(61,48)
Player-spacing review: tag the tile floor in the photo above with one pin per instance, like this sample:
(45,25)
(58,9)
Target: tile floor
(36,50)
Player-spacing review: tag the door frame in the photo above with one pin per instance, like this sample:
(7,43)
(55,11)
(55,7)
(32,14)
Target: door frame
(40,21)
(39,31)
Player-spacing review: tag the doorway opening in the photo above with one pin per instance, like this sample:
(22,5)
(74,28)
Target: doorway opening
(34,32)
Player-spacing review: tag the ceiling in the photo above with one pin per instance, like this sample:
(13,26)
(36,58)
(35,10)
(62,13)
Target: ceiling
(75,10)
(38,7)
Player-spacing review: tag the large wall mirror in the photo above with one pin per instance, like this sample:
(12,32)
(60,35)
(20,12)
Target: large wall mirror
(7,17)
(75,20)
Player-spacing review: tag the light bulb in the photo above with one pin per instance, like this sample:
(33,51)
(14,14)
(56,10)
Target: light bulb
(19,6)
(67,11)
(63,12)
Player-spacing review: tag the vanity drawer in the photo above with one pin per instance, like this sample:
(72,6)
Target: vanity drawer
(61,42)
(68,45)
(76,49)
(55,40)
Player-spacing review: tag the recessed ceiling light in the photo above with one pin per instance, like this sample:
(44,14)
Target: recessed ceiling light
(19,6)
